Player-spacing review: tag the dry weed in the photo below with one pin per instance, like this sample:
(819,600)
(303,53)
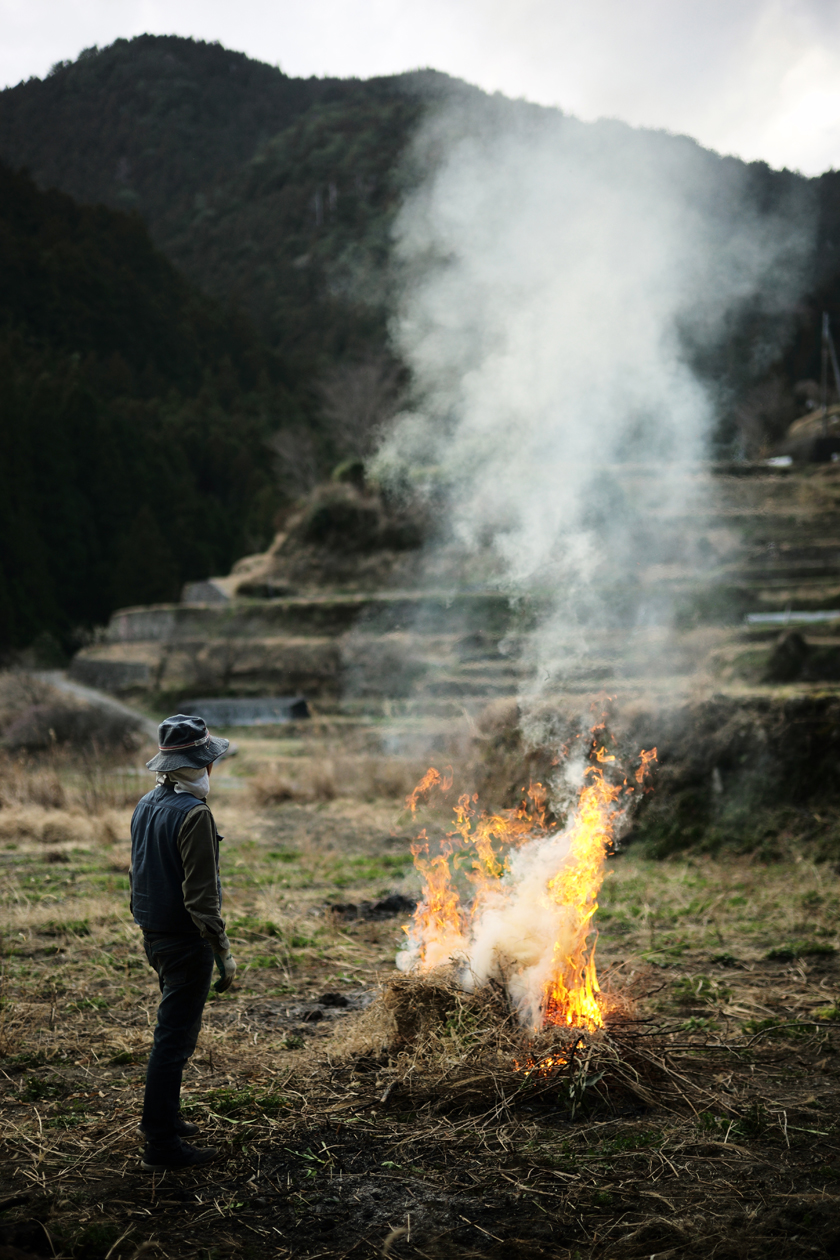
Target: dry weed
(68,781)
(60,828)
(19,690)
(361,778)
(304,783)
(57,917)
(24,783)
(461,1051)
(65,722)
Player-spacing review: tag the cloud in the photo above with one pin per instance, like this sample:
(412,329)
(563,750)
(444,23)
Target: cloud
(759,79)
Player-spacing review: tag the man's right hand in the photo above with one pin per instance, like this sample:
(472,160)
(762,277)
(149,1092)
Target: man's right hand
(226,965)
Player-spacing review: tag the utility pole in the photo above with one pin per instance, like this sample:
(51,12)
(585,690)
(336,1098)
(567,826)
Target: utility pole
(828,351)
(824,372)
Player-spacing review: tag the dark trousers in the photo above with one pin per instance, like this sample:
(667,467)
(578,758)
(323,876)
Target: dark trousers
(184,965)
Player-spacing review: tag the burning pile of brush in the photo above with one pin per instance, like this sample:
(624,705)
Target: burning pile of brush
(534,880)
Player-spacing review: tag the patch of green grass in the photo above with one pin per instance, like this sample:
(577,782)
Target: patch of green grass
(128,1056)
(264,961)
(95,1241)
(664,952)
(358,870)
(66,1120)
(690,990)
(284,855)
(253,928)
(229,1102)
(463,1027)
(781,1027)
(631,1141)
(798,949)
(26,1059)
(70,927)
(565,1163)
(272,1104)
(89,1004)
(753,1123)
(237,1102)
(248,925)
(38,1089)
(708,1122)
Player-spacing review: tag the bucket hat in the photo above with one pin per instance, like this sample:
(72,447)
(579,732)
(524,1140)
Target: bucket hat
(185,741)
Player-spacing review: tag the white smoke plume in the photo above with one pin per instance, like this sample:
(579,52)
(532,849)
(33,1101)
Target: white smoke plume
(555,275)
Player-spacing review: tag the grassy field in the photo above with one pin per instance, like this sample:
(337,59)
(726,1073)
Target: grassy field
(361,1114)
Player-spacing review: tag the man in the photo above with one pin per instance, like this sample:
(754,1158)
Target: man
(176,898)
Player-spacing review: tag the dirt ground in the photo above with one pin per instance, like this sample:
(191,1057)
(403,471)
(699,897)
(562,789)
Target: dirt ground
(704,1121)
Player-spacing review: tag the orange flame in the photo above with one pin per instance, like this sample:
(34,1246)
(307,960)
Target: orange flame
(431,779)
(442,926)
(442,917)
(571,995)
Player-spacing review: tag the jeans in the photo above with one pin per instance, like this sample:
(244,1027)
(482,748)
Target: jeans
(184,965)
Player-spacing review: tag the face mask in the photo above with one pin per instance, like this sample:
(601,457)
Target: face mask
(186,779)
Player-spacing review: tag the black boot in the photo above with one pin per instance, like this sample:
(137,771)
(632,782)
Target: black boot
(183,1128)
(184,1156)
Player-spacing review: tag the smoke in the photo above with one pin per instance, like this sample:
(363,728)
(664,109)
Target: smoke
(514,935)
(520,933)
(558,280)
(559,283)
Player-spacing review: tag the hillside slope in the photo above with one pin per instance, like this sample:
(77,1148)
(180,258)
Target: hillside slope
(239,171)
(135,413)
(148,124)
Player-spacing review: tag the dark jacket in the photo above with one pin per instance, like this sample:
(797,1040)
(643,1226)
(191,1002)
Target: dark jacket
(175,886)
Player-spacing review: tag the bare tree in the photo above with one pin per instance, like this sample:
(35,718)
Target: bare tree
(296,460)
(357,399)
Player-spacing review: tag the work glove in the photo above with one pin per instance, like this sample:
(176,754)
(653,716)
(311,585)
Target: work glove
(226,965)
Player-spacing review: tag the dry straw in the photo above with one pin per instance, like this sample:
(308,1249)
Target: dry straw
(467,1052)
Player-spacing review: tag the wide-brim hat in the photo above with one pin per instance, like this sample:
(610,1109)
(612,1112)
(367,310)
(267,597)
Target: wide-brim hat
(186,742)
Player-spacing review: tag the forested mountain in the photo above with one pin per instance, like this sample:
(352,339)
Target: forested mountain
(143,392)
(279,194)
(272,191)
(134,416)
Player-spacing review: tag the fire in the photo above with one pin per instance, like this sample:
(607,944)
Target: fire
(544,1068)
(571,995)
(442,916)
(529,922)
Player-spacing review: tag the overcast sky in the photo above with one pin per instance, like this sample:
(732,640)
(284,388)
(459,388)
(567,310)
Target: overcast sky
(757,78)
